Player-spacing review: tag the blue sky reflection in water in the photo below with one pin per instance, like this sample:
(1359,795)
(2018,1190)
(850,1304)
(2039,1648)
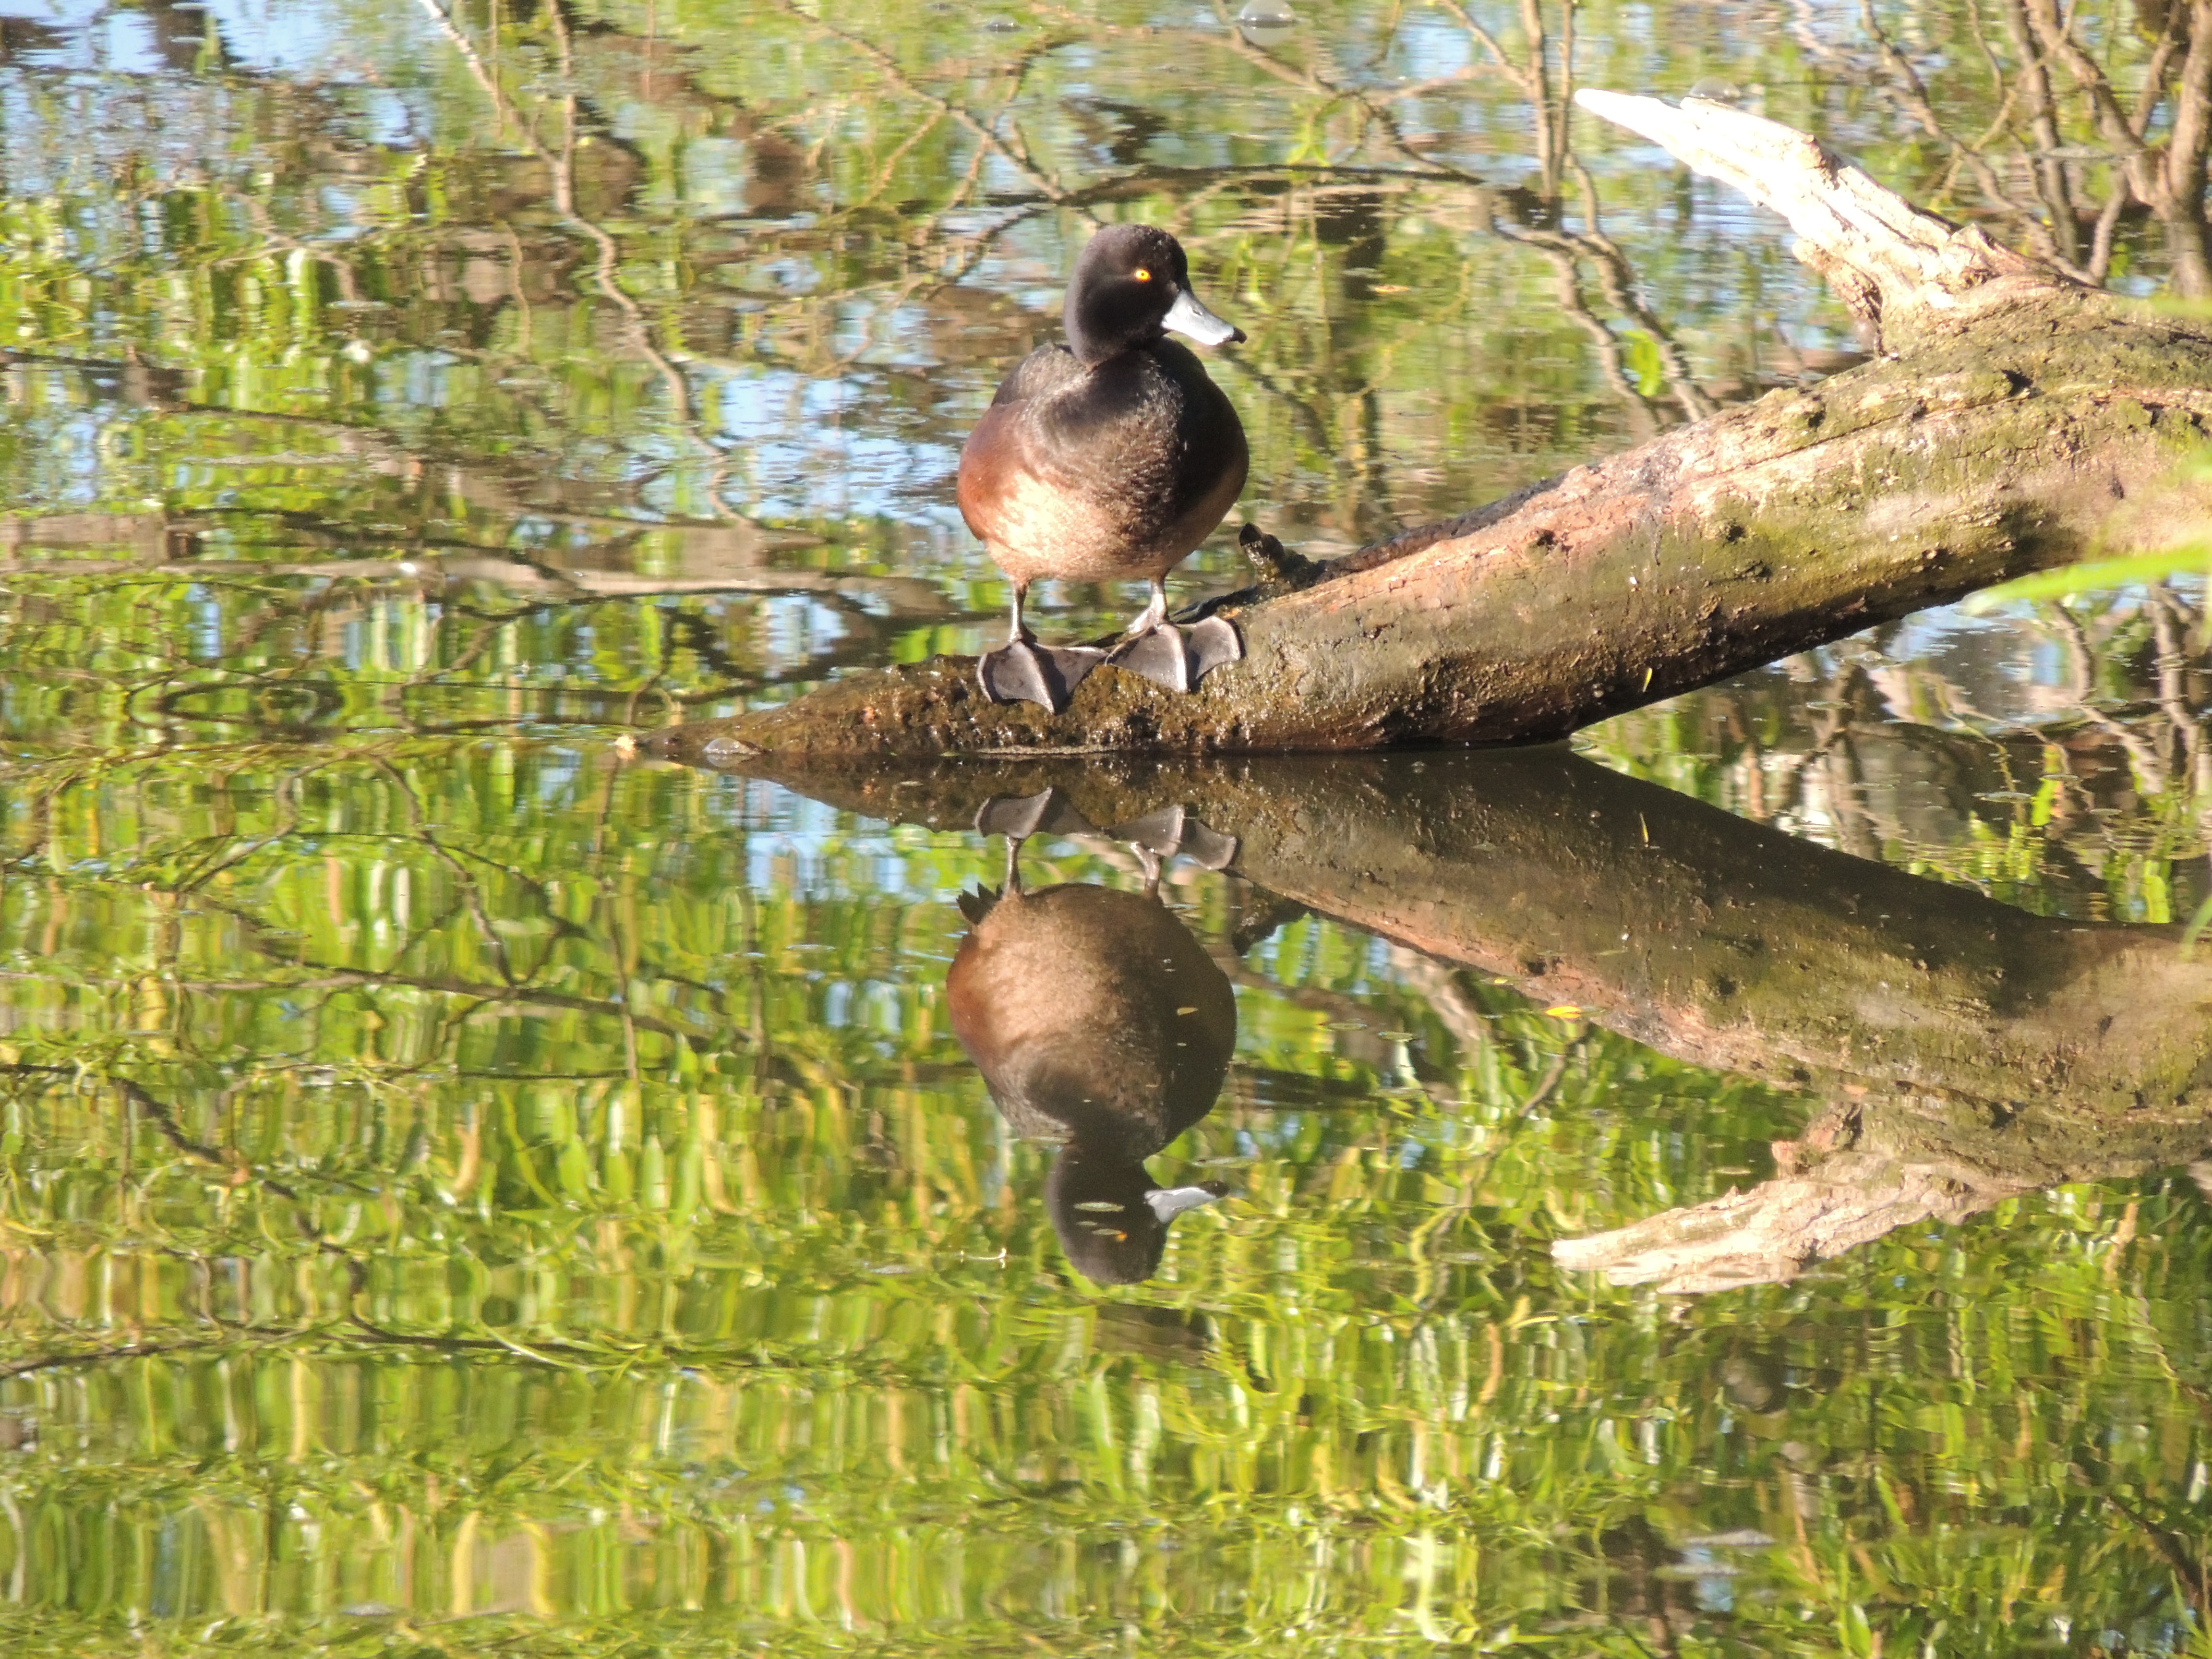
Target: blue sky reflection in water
(460,1189)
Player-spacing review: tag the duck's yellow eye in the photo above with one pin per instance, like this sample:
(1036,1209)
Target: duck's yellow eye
(1141,274)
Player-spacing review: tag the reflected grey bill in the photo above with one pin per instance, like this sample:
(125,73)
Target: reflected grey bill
(1193,321)
(1168,1202)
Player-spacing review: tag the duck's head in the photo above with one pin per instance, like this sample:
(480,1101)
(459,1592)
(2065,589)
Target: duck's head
(1111,1217)
(1131,286)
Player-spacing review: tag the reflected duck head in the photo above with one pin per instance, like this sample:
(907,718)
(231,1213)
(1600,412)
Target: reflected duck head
(1096,1020)
(1132,285)
(1111,1217)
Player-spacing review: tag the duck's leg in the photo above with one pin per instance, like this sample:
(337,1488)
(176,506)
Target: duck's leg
(1022,671)
(1018,817)
(1176,657)
(1173,833)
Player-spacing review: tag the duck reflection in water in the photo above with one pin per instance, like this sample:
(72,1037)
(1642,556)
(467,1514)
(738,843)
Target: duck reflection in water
(1099,1022)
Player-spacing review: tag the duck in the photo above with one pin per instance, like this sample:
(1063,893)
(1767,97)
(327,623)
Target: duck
(1109,457)
(1097,1021)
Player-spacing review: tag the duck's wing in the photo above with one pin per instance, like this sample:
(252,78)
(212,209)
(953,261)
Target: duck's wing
(1211,439)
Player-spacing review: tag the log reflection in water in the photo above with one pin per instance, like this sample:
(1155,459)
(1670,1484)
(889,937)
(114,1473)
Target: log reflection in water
(1967,1049)
(1096,1020)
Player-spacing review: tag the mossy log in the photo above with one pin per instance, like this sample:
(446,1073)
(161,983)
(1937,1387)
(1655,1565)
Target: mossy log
(2011,420)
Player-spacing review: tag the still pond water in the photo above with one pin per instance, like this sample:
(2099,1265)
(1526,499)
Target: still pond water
(466,1190)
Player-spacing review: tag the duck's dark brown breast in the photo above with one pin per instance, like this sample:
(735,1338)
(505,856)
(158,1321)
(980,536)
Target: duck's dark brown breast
(1109,473)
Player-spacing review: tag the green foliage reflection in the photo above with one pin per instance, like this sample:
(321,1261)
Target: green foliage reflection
(461,1193)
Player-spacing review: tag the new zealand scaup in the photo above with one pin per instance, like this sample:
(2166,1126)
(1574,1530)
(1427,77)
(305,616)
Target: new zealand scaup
(1106,459)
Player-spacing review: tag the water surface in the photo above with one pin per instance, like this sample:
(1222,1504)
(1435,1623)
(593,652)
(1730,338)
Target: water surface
(463,1188)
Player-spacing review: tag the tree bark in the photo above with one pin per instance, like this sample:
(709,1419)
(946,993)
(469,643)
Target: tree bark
(2012,420)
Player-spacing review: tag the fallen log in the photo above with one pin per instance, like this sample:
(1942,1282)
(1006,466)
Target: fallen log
(2011,419)
(1965,1050)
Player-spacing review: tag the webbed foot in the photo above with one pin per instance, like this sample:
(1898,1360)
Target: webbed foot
(1171,832)
(1178,658)
(1022,671)
(1048,813)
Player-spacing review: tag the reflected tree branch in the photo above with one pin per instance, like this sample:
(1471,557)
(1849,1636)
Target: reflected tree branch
(1984,1051)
